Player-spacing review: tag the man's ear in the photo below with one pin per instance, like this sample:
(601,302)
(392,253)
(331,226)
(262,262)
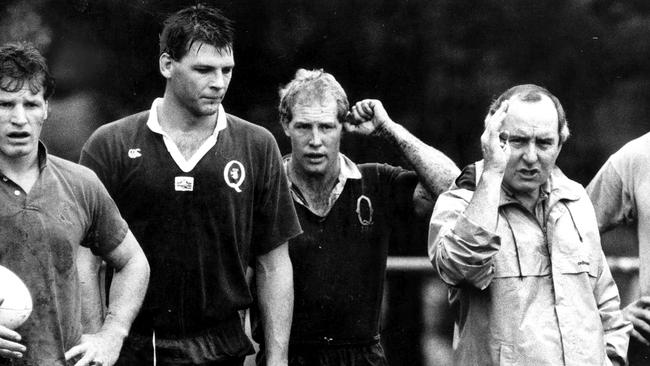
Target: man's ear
(165,64)
(285,127)
(47,110)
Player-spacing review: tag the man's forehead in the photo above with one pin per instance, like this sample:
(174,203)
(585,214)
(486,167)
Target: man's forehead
(198,47)
(315,111)
(8,90)
(538,115)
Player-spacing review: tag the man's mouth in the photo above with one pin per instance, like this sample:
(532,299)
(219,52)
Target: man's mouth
(18,135)
(528,173)
(313,157)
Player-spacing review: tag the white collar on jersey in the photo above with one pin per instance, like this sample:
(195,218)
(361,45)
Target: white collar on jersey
(185,165)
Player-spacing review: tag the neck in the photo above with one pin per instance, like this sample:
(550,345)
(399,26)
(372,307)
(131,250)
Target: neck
(173,116)
(528,200)
(22,170)
(322,183)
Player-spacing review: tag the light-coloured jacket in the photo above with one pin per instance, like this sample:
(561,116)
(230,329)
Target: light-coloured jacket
(524,295)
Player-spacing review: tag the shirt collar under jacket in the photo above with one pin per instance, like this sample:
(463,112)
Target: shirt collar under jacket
(348,170)
(185,165)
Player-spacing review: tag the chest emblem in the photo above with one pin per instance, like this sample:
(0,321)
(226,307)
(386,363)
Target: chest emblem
(234,175)
(364,210)
(184,184)
(134,153)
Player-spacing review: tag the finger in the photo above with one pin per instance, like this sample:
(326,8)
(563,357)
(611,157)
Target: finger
(8,334)
(349,127)
(362,112)
(639,338)
(88,356)
(357,118)
(641,326)
(75,351)
(496,120)
(643,301)
(368,107)
(10,354)
(86,360)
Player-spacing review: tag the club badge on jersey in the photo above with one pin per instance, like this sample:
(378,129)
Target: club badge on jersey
(364,210)
(184,184)
(234,175)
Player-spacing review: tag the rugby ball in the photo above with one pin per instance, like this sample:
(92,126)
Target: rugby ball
(17,304)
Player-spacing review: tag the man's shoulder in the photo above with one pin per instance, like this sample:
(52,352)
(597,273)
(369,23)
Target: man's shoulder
(245,129)
(128,124)
(634,153)
(69,170)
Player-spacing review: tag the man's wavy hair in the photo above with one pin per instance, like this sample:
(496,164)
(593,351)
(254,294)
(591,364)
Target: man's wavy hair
(22,65)
(198,23)
(309,86)
(533,93)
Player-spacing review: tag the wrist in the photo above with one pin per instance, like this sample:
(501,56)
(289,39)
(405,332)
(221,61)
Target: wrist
(492,177)
(386,128)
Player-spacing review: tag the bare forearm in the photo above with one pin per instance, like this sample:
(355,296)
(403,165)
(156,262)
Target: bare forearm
(275,293)
(127,293)
(436,171)
(88,267)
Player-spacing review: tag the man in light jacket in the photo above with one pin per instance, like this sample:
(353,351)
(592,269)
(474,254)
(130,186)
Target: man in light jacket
(518,244)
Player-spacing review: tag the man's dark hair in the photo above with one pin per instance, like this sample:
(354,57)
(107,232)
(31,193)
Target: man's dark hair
(533,93)
(197,23)
(21,63)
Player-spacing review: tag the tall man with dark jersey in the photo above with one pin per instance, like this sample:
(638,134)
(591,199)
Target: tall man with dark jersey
(347,212)
(206,194)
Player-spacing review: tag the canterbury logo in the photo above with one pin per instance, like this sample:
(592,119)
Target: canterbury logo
(134,153)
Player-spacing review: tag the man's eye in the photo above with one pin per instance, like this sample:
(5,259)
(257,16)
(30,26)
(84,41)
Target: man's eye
(226,70)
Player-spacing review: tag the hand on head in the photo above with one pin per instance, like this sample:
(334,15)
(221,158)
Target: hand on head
(366,116)
(494,141)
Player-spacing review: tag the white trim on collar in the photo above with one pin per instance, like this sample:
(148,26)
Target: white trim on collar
(185,165)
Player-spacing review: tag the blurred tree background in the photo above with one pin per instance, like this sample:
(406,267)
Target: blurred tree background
(435,64)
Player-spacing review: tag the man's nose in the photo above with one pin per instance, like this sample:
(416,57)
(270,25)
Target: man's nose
(530,154)
(316,139)
(19,115)
(218,80)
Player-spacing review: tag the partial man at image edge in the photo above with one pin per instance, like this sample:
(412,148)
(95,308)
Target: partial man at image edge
(347,212)
(620,194)
(52,210)
(518,244)
(206,195)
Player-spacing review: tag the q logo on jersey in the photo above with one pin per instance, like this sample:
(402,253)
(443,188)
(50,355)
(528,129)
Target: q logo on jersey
(234,175)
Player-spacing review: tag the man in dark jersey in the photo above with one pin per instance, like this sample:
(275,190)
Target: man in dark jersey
(49,209)
(347,212)
(206,194)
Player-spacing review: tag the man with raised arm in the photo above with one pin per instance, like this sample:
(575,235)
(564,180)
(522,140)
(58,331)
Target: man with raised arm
(347,212)
(518,244)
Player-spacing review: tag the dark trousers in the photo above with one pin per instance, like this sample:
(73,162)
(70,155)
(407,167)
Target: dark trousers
(316,355)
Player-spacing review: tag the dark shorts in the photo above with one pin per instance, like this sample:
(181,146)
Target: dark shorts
(226,346)
(142,355)
(314,355)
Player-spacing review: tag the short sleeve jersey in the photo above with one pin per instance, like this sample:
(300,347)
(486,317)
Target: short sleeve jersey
(619,192)
(339,261)
(200,228)
(40,234)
